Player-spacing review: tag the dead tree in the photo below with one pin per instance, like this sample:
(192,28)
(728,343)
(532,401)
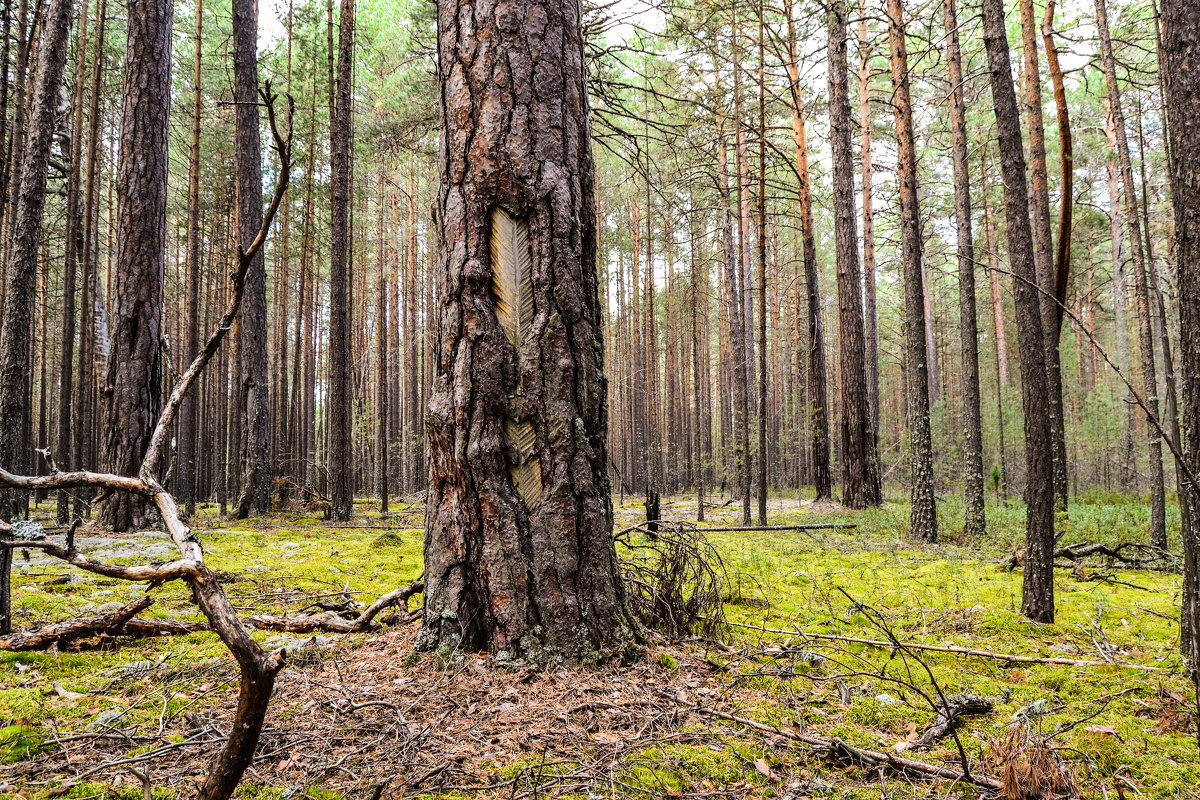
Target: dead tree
(257,668)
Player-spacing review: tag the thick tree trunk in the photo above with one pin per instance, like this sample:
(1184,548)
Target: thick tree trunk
(131,386)
(1039,185)
(21,268)
(340,466)
(1158,523)
(860,462)
(818,392)
(519,555)
(924,511)
(975,521)
(1037,600)
(1181,45)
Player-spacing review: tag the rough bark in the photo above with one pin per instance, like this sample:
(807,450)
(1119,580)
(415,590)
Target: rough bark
(1158,523)
(131,384)
(1037,600)
(924,511)
(975,521)
(340,468)
(1181,46)
(1039,185)
(519,555)
(21,267)
(860,462)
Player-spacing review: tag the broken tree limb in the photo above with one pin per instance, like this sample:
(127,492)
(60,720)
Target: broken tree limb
(960,706)
(868,759)
(61,633)
(961,651)
(810,526)
(331,621)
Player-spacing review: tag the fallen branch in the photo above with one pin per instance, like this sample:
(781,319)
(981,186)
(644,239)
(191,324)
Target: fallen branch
(961,651)
(812,526)
(960,706)
(332,621)
(868,759)
(61,633)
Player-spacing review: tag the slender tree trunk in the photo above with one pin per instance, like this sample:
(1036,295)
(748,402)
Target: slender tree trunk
(972,414)
(519,555)
(1044,247)
(340,466)
(21,267)
(860,462)
(1000,340)
(763,454)
(1037,600)
(1127,461)
(1158,523)
(818,391)
(381,355)
(868,214)
(1181,46)
(1062,261)
(187,415)
(924,511)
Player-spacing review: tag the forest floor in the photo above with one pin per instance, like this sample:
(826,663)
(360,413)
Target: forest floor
(363,716)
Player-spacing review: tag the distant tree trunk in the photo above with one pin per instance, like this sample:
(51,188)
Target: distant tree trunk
(818,389)
(972,415)
(1158,523)
(519,555)
(924,510)
(339,407)
(72,253)
(1044,247)
(1037,601)
(741,432)
(186,469)
(21,268)
(381,355)
(1181,46)
(252,341)
(763,445)
(1000,340)
(699,362)
(1126,458)
(860,462)
(868,214)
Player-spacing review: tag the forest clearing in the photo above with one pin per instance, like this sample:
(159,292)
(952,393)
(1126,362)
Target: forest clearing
(637,398)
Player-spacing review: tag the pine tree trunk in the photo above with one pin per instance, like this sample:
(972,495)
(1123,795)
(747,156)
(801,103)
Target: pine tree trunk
(868,214)
(1181,45)
(924,511)
(762,276)
(21,267)
(519,555)
(975,521)
(1158,523)
(860,462)
(1000,342)
(186,471)
(340,410)
(1037,600)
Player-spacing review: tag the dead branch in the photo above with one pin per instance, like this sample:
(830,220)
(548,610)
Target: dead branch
(674,579)
(61,633)
(257,668)
(332,621)
(948,715)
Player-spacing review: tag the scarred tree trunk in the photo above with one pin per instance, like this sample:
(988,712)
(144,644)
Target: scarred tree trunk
(1181,45)
(972,414)
(1037,601)
(252,343)
(860,463)
(519,555)
(924,511)
(21,269)
(131,386)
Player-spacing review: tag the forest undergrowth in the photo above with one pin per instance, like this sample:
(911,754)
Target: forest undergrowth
(827,640)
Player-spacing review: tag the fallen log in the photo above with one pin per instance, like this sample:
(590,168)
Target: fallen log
(810,526)
(868,759)
(61,633)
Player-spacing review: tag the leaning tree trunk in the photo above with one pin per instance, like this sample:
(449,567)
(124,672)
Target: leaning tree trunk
(924,511)
(131,386)
(252,341)
(519,555)
(972,413)
(860,463)
(1181,44)
(1037,600)
(21,269)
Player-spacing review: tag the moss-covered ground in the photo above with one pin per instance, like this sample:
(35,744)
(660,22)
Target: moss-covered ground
(1123,731)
